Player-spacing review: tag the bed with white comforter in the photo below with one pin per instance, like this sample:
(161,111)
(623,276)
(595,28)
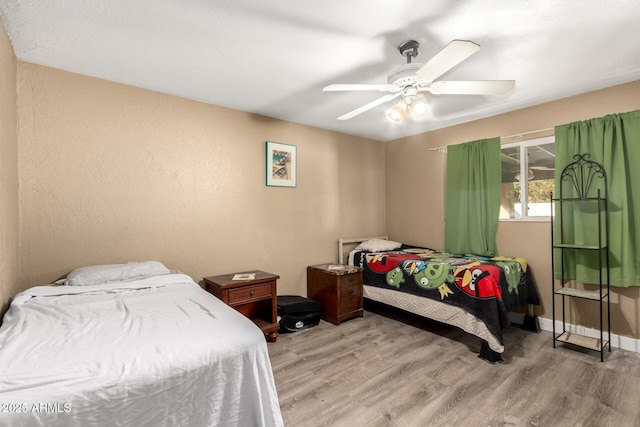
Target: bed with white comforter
(149,352)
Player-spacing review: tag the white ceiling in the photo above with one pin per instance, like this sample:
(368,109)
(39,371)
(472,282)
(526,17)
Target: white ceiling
(274,57)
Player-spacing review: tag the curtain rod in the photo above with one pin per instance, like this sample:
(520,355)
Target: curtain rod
(518,135)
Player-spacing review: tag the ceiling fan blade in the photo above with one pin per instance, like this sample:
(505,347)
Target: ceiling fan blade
(450,56)
(368,106)
(344,87)
(477,87)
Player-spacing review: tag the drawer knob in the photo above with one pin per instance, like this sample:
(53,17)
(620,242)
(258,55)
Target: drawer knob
(251,293)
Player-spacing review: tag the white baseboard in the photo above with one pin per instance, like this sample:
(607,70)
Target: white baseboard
(617,341)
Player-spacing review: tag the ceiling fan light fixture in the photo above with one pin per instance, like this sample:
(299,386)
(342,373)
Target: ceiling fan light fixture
(420,108)
(397,112)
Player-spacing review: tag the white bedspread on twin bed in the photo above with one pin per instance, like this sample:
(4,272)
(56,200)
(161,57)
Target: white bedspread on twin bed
(153,352)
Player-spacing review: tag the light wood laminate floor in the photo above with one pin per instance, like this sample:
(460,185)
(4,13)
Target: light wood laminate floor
(377,371)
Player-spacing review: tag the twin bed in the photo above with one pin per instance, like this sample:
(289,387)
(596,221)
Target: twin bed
(132,344)
(474,293)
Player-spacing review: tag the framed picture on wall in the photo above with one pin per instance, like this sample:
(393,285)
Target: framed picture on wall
(281,164)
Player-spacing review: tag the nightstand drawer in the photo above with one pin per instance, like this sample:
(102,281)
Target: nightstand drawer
(350,298)
(350,280)
(249,293)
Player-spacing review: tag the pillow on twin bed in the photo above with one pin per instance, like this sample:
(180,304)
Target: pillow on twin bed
(378,245)
(101,274)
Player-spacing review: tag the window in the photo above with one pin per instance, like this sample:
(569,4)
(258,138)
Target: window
(527,179)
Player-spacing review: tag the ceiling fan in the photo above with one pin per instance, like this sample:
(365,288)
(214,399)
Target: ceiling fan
(412,80)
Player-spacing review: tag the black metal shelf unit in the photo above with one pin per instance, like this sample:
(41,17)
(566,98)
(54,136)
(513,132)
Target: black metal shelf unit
(581,175)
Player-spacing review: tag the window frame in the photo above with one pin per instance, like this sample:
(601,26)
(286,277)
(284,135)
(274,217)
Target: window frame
(524,165)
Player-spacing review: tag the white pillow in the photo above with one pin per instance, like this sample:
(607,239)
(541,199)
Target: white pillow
(100,274)
(378,245)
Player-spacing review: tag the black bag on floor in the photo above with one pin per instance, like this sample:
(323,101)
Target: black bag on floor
(296,313)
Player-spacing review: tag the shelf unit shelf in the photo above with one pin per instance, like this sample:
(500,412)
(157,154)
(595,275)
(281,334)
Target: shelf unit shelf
(580,176)
(582,341)
(585,247)
(581,293)
(577,199)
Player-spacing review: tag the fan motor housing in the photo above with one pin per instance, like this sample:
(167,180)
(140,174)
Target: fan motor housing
(404,75)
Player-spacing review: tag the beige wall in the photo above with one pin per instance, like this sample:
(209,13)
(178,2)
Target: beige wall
(415,191)
(8,173)
(110,173)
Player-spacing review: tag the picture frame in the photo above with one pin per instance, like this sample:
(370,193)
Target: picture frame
(281,165)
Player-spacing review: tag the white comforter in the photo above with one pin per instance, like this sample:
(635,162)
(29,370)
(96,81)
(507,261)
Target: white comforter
(154,352)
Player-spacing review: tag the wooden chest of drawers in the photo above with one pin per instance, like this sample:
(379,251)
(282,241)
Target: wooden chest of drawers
(255,298)
(338,290)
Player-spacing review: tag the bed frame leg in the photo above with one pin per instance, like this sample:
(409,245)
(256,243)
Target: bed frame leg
(531,323)
(489,355)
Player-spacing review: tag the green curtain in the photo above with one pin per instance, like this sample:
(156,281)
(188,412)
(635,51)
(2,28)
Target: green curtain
(472,197)
(614,142)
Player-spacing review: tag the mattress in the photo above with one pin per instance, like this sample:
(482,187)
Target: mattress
(449,314)
(153,352)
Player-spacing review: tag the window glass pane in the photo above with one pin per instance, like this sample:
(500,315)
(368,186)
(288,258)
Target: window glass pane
(540,167)
(510,199)
(539,164)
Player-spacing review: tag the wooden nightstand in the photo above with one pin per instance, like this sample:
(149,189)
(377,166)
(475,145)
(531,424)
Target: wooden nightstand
(338,290)
(255,298)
